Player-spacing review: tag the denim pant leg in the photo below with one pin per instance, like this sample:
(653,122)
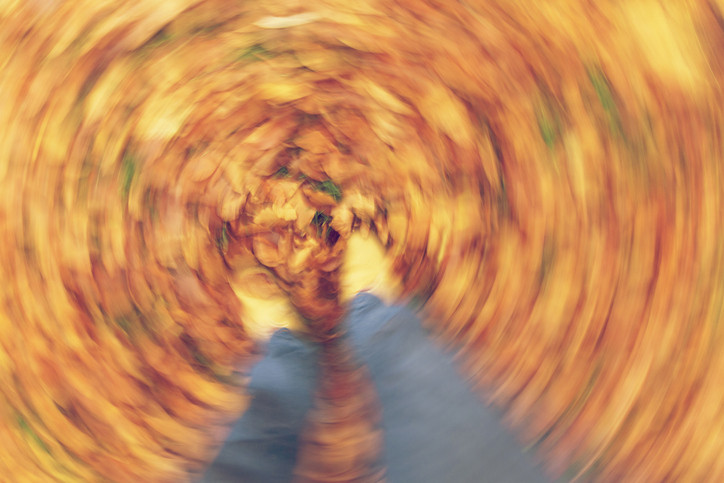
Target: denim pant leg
(435,428)
(262,446)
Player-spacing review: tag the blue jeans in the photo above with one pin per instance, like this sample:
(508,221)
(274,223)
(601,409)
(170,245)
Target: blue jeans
(435,427)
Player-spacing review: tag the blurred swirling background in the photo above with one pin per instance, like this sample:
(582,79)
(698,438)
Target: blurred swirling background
(542,182)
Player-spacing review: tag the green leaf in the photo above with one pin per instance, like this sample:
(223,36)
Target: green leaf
(222,242)
(330,188)
(254,53)
(201,359)
(159,38)
(30,432)
(547,257)
(603,91)
(547,130)
(606,98)
(128,171)
(152,206)
(548,116)
(320,219)
(125,324)
(282,172)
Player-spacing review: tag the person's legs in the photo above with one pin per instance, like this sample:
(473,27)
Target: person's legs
(435,428)
(262,446)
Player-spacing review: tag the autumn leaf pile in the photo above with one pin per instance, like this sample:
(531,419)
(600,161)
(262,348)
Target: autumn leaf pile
(182,177)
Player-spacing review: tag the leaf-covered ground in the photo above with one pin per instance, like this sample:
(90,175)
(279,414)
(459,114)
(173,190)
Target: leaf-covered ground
(182,177)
